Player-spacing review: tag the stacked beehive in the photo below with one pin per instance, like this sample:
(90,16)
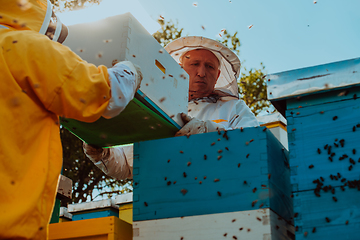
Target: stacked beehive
(321,105)
(94,209)
(93,220)
(232,184)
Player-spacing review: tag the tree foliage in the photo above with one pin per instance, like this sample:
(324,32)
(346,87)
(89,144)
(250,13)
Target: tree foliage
(231,41)
(169,31)
(62,5)
(89,182)
(252,87)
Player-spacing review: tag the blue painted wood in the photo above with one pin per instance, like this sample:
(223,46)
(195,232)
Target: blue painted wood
(290,84)
(343,94)
(343,232)
(318,80)
(322,110)
(311,211)
(310,129)
(95,214)
(215,184)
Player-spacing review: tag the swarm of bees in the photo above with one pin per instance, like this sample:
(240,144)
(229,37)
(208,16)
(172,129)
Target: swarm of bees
(331,152)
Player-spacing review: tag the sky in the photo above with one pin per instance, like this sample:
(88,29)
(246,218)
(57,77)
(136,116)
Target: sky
(284,34)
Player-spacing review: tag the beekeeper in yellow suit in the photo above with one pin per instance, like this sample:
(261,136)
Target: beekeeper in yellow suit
(40,80)
(214,102)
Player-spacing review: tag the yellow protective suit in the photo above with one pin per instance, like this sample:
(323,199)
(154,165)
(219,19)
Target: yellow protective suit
(39,80)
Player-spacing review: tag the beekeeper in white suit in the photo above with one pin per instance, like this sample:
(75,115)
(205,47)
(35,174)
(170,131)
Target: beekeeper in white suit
(214,102)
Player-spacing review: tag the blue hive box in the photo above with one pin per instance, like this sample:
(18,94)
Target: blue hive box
(94,209)
(321,105)
(212,173)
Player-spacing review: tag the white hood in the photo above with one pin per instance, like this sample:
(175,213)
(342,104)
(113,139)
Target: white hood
(229,62)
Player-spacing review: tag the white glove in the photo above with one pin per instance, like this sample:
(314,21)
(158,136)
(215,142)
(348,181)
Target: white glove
(114,162)
(125,79)
(195,126)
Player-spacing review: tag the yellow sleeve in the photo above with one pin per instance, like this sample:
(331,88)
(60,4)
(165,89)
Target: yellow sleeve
(54,76)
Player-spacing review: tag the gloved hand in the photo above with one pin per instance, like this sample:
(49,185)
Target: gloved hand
(125,79)
(135,69)
(195,126)
(114,162)
(95,154)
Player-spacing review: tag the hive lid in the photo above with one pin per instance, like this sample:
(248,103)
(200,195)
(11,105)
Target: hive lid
(310,80)
(93,205)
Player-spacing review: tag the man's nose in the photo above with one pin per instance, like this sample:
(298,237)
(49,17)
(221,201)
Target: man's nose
(201,71)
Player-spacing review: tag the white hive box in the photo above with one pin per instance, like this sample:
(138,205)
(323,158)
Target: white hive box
(257,224)
(276,123)
(121,38)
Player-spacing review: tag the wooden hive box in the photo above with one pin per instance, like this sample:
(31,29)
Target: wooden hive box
(125,203)
(154,111)
(64,215)
(235,183)
(123,38)
(276,123)
(321,105)
(107,228)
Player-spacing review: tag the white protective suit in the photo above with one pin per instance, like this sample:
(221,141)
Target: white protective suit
(231,114)
(224,111)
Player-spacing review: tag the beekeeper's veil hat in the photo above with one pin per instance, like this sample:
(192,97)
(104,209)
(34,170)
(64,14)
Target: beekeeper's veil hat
(229,62)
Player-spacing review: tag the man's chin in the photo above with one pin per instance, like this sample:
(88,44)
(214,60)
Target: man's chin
(199,92)
(199,87)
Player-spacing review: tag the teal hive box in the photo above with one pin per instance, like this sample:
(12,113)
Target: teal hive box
(321,105)
(94,209)
(211,173)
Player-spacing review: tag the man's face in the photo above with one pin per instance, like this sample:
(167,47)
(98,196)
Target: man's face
(203,69)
